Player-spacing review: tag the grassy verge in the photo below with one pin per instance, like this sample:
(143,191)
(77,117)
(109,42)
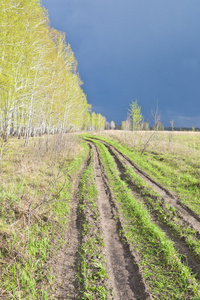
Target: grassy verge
(92,264)
(36,187)
(177,172)
(166,275)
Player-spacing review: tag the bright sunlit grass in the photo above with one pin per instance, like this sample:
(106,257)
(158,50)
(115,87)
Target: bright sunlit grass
(159,259)
(175,165)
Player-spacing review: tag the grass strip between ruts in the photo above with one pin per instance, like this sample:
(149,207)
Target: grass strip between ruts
(92,273)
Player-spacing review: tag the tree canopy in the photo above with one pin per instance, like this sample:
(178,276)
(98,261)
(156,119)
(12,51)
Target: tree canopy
(40,88)
(135,115)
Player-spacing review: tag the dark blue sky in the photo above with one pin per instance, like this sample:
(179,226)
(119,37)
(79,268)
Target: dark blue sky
(128,49)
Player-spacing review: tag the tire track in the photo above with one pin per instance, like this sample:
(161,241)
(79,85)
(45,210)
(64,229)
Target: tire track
(188,215)
(124,274)
(180,245)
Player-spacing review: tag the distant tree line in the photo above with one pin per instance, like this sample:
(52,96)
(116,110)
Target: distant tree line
(135,121)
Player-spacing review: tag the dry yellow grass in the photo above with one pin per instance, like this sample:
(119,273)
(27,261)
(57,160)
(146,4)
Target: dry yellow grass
(176,143)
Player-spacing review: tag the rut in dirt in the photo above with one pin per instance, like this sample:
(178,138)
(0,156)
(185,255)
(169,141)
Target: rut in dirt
(124,273)
(180,245)
(187,215)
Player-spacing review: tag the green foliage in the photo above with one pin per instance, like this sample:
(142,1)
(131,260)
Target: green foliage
(95,122)
(24,250)
(40,88)
(92,261)
(135,114)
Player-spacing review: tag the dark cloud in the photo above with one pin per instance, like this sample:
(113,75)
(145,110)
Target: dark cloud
(130,49)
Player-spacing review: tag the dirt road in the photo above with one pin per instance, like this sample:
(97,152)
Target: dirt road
(125,278)
(124,274)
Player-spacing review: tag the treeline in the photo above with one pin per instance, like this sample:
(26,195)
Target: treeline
(135,121)
(40,88)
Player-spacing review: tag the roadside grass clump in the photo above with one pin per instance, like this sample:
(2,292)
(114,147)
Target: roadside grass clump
(37,184)
(178,171)
(92,273)
(166,275)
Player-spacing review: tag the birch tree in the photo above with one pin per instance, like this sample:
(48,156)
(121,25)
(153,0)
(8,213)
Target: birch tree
(40,88)
(135,115)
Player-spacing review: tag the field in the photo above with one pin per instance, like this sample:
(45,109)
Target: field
(101,215)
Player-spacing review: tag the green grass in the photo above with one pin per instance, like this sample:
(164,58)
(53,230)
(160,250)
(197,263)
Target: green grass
(165,213)
(166,275)
(178,173)
(92,263)
(24,251)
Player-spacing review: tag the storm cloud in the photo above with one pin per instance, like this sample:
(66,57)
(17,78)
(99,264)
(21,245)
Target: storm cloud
(149,50)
